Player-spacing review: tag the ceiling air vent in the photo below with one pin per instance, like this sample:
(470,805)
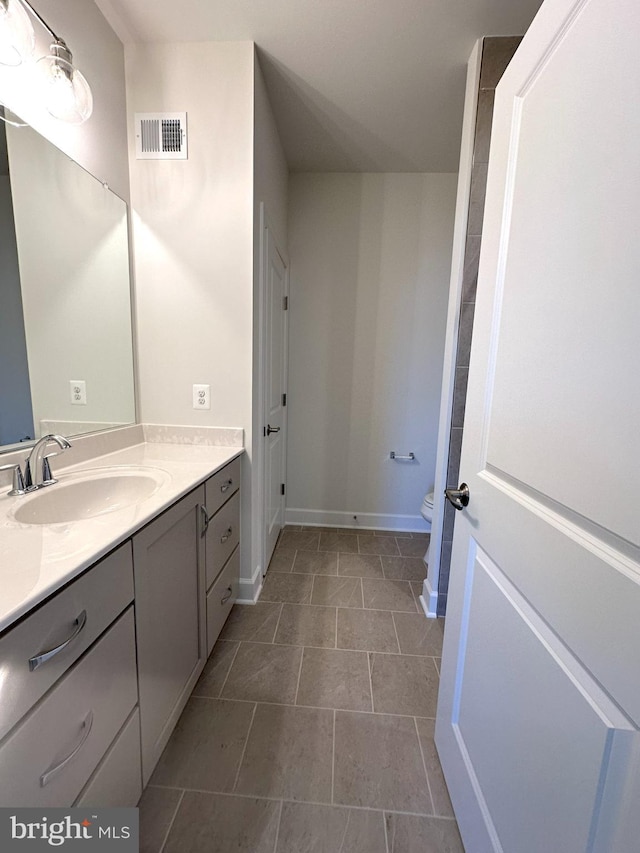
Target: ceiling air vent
(161,136)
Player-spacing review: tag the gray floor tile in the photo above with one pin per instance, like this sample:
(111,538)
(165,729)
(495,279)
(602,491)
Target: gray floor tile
(289,528)
(411,834)
(299,540)
(307,625)
(439,792)
(378,545)
(416,588)
(282,560)
(332,678)
(157,810)
(311,528)
(216,669)
(306,828)
(388,595)
(210,823)
(255,622)
(366,630)
(283,587)
(264,673)
(413,547)
(360,565)
(404,568)
(205,748)
(404,685)
(337,592)
(424,536)
(419,635)
(316,562)
(345,542)
(288,754)
(378,763)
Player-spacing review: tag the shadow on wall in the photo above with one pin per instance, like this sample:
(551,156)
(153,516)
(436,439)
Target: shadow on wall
(332,138)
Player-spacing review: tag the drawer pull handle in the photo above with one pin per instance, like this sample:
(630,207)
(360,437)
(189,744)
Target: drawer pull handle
(204,514)
(38,660)
(87,724)
(226,535)
(226,486)
(227,595)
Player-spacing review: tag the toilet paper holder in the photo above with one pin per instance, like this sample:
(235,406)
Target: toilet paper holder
(411,457)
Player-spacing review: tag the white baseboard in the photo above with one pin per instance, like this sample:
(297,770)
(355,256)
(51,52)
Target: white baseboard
(363,520)
(250,588)
(429,599)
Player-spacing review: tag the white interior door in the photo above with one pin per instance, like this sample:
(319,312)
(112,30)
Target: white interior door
(539,703)
(275,421)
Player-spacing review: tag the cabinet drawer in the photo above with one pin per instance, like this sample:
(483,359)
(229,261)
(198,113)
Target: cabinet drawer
(48,758)
(100,594)
(221,598)
(220,487)
(223,535)
(117,781)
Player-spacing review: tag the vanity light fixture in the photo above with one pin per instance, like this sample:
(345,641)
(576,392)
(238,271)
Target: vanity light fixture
(64,90)
(17,39)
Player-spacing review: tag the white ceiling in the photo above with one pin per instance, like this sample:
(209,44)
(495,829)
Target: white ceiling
(355,85)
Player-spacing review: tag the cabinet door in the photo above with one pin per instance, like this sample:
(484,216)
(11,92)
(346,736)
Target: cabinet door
(170,620)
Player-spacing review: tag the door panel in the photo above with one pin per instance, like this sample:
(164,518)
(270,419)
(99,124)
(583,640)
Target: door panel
(275,411)
(566,747)
(540,700)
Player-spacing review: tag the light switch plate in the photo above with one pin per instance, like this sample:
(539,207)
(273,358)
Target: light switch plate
(202,396)
(78,390)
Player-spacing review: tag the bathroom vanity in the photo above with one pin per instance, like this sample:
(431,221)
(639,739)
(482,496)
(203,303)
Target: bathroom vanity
(106,621)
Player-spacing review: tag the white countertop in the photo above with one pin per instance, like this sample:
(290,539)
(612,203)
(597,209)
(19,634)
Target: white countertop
(36,560)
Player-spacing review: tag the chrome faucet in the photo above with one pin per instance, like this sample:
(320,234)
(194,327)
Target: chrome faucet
(37,472)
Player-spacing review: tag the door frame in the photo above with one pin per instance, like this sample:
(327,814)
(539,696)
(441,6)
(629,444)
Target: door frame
(261,373)
(431,582)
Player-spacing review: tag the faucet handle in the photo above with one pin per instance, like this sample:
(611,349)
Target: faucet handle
(18,486)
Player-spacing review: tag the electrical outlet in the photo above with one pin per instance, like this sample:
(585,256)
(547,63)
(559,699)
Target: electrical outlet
(78,389)
(202,396)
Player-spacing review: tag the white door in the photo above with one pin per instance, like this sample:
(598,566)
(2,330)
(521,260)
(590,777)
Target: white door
(275,391)
(539,704)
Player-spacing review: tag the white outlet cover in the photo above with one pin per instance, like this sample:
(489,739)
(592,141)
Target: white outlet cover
(78,392)
(202,397)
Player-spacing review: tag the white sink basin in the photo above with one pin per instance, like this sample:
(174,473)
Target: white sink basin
(88,494)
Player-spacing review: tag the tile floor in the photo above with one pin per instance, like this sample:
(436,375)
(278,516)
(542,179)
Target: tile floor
(311,727)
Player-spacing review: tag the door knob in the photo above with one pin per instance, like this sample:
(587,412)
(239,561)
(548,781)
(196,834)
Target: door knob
(271,429)
(458,497)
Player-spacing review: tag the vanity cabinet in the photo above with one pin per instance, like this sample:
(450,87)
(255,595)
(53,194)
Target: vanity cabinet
(93,681)
(70,693)
(169,576)
(222,544)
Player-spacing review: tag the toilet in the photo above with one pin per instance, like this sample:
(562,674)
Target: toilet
(426,511)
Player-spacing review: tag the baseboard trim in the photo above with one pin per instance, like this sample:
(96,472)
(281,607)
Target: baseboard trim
(362,520)
(429,599)
(250,589)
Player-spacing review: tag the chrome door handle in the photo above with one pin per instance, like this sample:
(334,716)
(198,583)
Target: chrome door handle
(271,429)
(226,486)
(87,724)
(459,497)
(227,595)
(226,535)
(38,660)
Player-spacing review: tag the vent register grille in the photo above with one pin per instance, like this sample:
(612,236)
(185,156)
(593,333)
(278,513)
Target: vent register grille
(161,136)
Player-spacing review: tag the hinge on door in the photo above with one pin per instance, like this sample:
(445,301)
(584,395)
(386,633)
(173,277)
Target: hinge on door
(285,303)
(284,399)
(282,488)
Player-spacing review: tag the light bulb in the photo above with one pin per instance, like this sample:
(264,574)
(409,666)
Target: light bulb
(17,39)
(67,95)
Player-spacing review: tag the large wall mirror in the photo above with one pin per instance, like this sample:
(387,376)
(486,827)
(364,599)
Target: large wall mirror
(66,353)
